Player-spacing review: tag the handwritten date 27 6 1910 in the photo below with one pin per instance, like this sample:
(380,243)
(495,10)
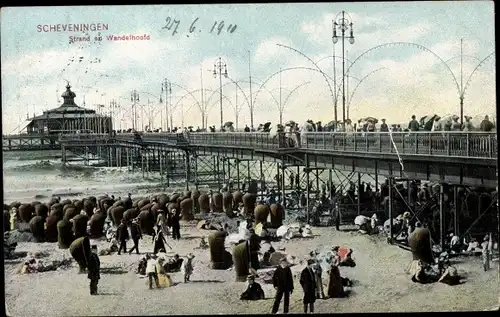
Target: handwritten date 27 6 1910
(216,28)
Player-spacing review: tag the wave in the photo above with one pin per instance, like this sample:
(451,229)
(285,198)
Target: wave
(44,166)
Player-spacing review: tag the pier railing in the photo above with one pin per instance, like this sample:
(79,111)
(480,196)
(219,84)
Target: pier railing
(75,137)
(257,140)
(452,144)
(460,144)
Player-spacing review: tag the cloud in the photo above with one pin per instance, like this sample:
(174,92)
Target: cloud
(268,49)
(403,79)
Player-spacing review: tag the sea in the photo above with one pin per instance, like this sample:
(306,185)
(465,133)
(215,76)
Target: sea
(39,175)
(30,176)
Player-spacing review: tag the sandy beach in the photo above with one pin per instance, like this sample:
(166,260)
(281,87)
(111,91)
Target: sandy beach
(380,283)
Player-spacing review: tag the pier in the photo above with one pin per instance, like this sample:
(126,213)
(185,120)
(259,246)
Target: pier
(458,161)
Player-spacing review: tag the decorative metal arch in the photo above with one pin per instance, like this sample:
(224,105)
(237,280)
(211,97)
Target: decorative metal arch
(317,67)
(359,83)
(198,90)
(282,107)
(284,70)
(481,63)
(243,81)
(407,44)
(182,87)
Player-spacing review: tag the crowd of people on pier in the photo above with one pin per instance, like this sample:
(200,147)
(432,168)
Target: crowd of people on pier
(368,124)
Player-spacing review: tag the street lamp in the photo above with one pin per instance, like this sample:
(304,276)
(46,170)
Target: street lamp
(343,24)
(219,64)
(166,86)
(134,97)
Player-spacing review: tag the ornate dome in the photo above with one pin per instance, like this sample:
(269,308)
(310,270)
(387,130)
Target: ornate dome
(68,94)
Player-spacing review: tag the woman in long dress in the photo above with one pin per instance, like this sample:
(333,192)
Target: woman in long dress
(159,243)
(335,288)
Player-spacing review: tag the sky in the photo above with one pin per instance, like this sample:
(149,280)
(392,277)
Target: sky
(420,75)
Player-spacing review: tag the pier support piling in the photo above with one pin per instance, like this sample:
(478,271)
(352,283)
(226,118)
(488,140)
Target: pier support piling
(455,212)
(391,233)
(142,164)
(441,216)
(217,169)
(188,170)
(283,187)
(306,170)
(196,181)
(237,162)
(359,194)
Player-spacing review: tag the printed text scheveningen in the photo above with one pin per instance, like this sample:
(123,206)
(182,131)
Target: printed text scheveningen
(81,27)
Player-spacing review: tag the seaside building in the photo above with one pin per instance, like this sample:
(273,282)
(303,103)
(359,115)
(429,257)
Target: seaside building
(69,118)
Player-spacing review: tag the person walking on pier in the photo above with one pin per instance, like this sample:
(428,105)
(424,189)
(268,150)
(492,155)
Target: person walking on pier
(486,125)
(384,127)
(122,235)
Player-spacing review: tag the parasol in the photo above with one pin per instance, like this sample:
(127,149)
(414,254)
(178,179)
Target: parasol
(332,123)
(447,117)
(370,119)
(228,124)
(428,121)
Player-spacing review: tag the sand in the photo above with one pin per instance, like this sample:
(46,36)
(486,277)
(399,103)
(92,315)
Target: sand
(380,283)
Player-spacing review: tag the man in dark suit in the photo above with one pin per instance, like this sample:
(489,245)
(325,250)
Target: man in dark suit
(254,290)
(94,266)
(283,283)
(308,283)
(176,226)
(135,232)
(122,235)
(128,201)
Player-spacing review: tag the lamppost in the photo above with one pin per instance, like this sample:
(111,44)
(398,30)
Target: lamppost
(166,86)
(134,97)
(219,64)
(343,24)
(112,106)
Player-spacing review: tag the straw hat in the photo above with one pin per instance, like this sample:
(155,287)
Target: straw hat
(190,256)
(406,214)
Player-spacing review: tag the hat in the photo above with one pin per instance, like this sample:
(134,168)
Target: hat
(335,248)
(190,256)
(406,214)
(251,277)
